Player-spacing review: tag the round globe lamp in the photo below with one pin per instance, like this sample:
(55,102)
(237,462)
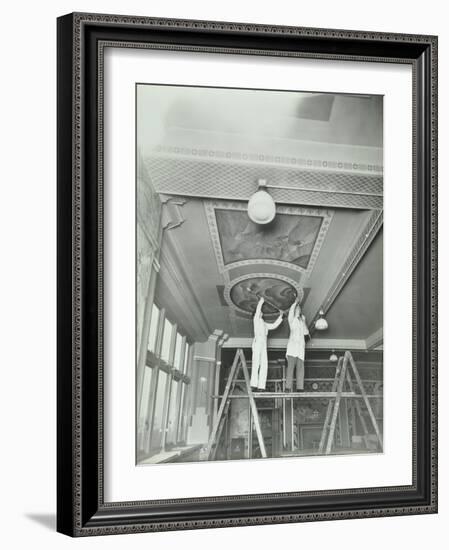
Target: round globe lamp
(261,206)
(321,323)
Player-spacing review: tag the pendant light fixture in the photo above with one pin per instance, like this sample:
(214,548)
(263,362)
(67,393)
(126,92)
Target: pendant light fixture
(261,206)
(333,357)
(321,323)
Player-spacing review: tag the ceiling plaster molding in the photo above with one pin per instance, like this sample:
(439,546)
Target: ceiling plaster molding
(211,206)
(204,358)
(314,343)
(216,335)
(234,181)
(172,261)
(375,340)
(357,252)
(222,155)
(228,287)
(223,339)
(336,344)
(172,216)
(148,235)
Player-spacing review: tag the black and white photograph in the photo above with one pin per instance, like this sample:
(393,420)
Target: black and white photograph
(220,268)
(259,273)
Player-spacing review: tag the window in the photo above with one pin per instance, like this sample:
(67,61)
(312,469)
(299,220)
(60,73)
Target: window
(153,328)
(143,412)
(166,341)
(182,416)
(170,404)
(177,360)
(156,436)
(172,417)
(186,359)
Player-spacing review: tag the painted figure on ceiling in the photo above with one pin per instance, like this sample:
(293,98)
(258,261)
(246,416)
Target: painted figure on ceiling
(289,238)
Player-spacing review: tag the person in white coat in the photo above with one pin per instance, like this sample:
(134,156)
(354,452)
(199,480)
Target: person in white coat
(296,346)
(260,358)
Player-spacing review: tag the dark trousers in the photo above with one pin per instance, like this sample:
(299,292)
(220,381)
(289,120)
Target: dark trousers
(293,362)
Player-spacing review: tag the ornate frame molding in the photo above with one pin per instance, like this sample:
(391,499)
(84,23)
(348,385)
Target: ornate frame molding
(81,507)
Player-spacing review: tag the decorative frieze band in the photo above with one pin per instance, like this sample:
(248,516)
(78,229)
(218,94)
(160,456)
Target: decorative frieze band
(282,160)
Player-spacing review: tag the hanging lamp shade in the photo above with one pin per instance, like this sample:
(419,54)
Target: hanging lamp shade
(333,357)
(321,323)
(261,206)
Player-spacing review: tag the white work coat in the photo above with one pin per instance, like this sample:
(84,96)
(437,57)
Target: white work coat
(260,359)
(298,330)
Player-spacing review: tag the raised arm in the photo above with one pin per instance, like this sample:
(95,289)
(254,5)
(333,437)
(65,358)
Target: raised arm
(271,326)
(291,312)
(258,312)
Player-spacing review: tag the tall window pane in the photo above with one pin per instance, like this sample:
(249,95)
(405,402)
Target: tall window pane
(156,436)
(186,359)
(143,412)
(171,427)
(177,359)
(166,340)
(153,327)
(182,416)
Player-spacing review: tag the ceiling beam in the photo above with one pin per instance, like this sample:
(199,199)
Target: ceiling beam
(303,185)
(313,344)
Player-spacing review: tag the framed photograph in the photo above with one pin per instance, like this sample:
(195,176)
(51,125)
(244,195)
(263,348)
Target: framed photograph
(247,247)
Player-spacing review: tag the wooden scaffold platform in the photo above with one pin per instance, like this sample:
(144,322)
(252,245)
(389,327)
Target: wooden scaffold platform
(343,387)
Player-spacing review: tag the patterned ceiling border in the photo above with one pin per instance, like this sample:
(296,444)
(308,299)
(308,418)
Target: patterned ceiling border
(190,177)
(325,214)
(230,285)
(237,156)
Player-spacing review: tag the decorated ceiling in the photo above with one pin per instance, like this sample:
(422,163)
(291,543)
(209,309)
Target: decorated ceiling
(203,151)
(278,295)
(272,260)
(288,238)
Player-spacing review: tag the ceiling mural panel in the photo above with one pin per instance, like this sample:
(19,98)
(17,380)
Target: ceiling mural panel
(279,293)
(292,240)
(276,270)
(287,238)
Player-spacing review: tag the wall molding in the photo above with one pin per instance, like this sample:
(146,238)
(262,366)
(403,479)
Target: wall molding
(314,343)
(375,339)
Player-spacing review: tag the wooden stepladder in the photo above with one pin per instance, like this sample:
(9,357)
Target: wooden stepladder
(342,375)
(239,361)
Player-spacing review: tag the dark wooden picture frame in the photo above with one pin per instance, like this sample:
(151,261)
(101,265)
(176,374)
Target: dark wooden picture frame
(81,510)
